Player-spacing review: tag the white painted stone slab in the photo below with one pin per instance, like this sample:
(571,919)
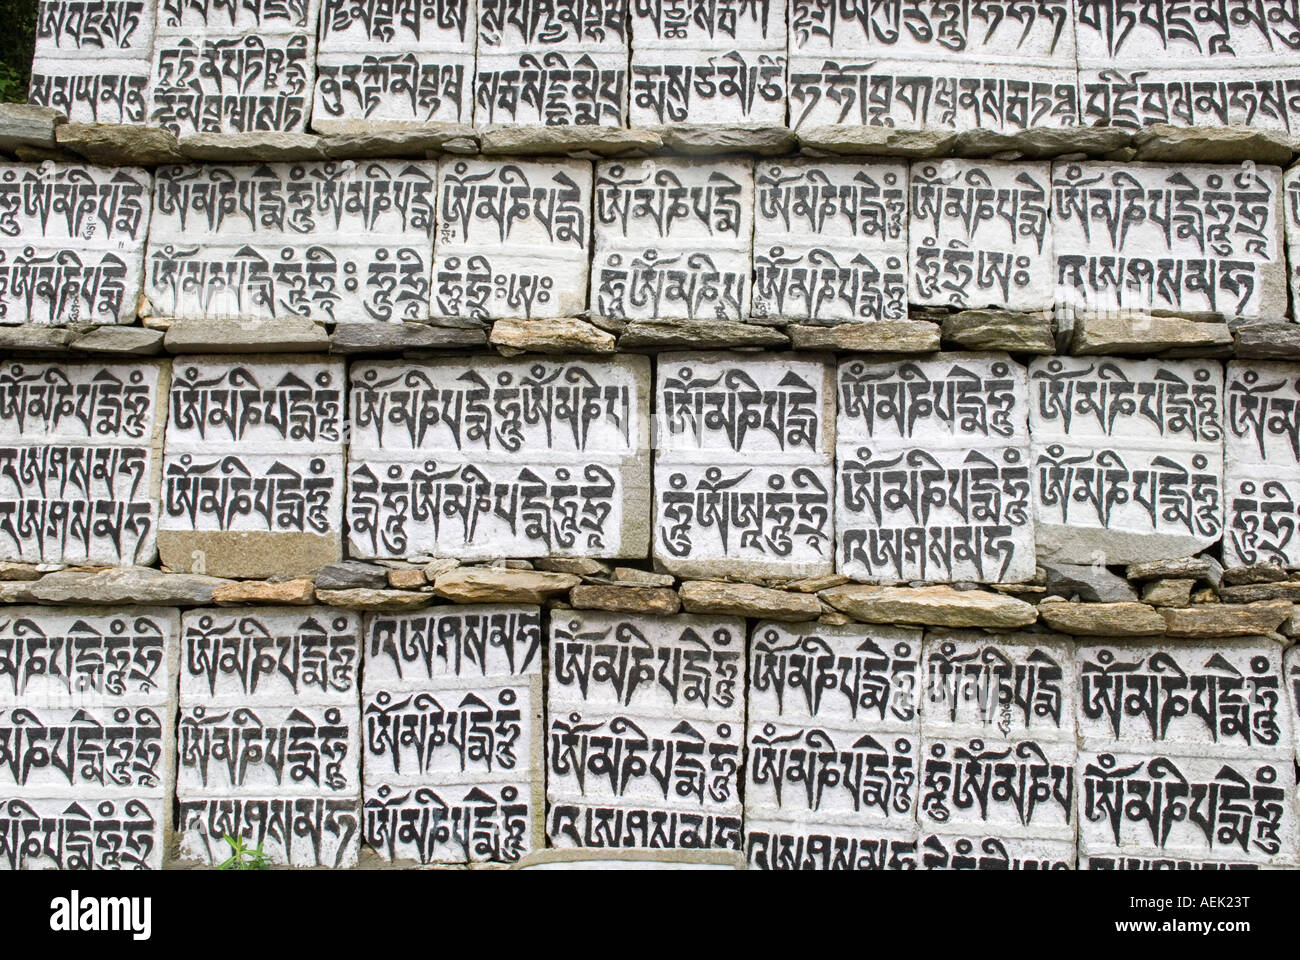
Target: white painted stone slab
(830,240)
(1198,808)
(265,281)
(858,676)
(979,234)
(1012,687)
(744,521)
(606,755)
(1129,861)
(453,824)
(414,86)
(1191,238)
(611,826)
(458,507)
(651,283)
(69,657)
(999,788)
(736,408)
(92,90)
(729,25)
(253,17)
(1292,681)
(327,202)
(1263,514)
(786,845)
(377,24)
(1223,699)
(273,493)
(253,657)
(255,404)
(1204,95)
(422,735)
(71,242)
(690,85)
(512,238)
(551,88)
(500,409)
(452,642)
(110,403)
(289,751)
(1200,33)
(1127,458)
(294,831)
(598,25)
(946,851)
(985,32)
(916,95)
(84,751)
(827,775)
(684,666)
(231,81)
(98,29)
(62,833)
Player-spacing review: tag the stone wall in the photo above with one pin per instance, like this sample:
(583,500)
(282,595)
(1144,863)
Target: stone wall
(771,436)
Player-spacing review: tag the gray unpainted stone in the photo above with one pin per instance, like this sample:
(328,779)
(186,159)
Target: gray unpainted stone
(360,139)
(851,139)
(351,575)
(120,340)
(1093,584)
(1267,340)
(1144,334)
(560,335)
(33,339)
(117,144)
(1000,330)
(1062,543)
(1177,568)
(245,336)
(351,338)
(1253,573)
(1040,142)
(531,140)
(705,334)
(1169,144)
(28,125)
(261,146)
(711,138)
(881,336)
(122,585)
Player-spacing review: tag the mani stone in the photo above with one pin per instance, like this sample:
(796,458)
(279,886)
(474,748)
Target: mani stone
(125,585)
(703,334)
(495,585)
(351,574)
(1093,472)
(1000,330)
(879,336)
(1089,583)
(1127,619)
(1226,619)
(560,335)
(747,600)
(271,429)
(296,592)
(936,605)
(28,125)
(654,601)
(1145,334)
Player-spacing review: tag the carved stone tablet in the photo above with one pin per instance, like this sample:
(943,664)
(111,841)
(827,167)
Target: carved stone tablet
(979,234)
(933,470)
(234,70)
(92,58)
(379,63)
(1195,808)
(488,457)
(253,478)
(743,478)
(684,84)
(787,845)
(830,241)
(1222,699)
(1262,463)
(1127,458)
(452,719)
(71,242)
(673,240)
(1139,95)
(512,238)
(1199,239)
(1292,682)
(327,241)
(270,734)
(947,851)
(1291,227)
(81,451)
(87,720)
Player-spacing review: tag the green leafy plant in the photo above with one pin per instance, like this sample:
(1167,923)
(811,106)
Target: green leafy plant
(244,857)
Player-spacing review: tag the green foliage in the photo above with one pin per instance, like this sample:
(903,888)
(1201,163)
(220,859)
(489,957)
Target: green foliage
(17,42)
(244,857)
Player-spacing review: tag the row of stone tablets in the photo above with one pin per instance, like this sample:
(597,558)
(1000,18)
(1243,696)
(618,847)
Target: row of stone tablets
(199,66)
(959,467)
(820,241)
(855,737)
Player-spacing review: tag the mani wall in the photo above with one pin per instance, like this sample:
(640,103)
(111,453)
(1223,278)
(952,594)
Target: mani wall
(811,436)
